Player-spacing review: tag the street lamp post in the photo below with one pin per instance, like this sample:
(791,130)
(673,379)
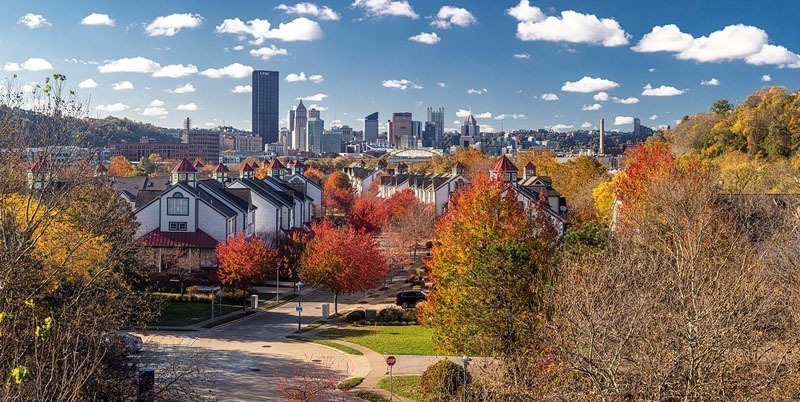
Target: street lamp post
(465,361)
(299,303)
(277,286)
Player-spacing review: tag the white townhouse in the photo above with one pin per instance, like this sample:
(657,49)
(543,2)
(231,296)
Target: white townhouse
(362,178)
(433,189)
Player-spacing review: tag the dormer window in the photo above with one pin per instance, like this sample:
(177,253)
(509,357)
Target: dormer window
(178,205)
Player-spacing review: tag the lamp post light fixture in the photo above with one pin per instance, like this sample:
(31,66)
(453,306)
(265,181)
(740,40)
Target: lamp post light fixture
(299,303)
(465,362)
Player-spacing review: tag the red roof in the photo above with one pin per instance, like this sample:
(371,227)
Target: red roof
(530,166)
(101,168)
(247,168)
(458,165)
(198,239)
(255,165)
(275,164)
(298,164)
(221,169)
(183,167)
(198,164)
(504,165)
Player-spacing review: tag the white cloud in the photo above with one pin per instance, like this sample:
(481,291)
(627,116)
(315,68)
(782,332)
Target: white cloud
(129,65)
(186,89)
(589,84)
(627,101)
(523,55)
(484,115)
(485,128)
(426,38)
(449,16)
(170,25)
(653,117)
(586,125)
(523,12)
(112,108)
(176,71)
(549,97)
(712,82)
(595,106)
(87,84)
(159,112)
(318,107)
(383,8)
(242,89)
(601,96)
(235,70)
(316,78)
(766,78)
(294,77)
(189,107)
(238,47)
(663,90)
(622,120)
(400,84)
(464,113)
(122,86)
(265,53)
(156,103)
(734,42)
(652,70)
(32,64)
(300,29)
(571,26)
(561,127)
(97,19)
(473,91)
(33,21)
(313,98)
(510,116)
(321,12)
(441,85)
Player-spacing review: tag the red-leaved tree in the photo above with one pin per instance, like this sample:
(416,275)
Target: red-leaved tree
(400,203)
(368,214)
(245,261)
(342,260)
(337,193)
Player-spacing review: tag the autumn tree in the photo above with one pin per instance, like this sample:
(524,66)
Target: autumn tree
(291,248)
(492,264)
(369,214)
(179,264)
(120,167)
(342,260)
(337,193)
(244,262)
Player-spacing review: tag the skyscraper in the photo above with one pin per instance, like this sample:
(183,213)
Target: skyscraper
(436,116)
(316,127)
(469,132)
(265,119)
(602,149)
(291,120)
(637,126)
(400,127)
(371,128)
(300,128)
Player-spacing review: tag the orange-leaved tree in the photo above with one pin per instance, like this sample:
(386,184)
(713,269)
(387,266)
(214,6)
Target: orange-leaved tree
(492,264)
(342,260)
(337,193)
(119,166)
(244,262)
(368,214)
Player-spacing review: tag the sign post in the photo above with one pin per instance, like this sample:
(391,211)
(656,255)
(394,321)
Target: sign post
(390,361)
(210,289)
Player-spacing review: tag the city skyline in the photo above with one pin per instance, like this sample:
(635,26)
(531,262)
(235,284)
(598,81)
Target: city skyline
(512,64)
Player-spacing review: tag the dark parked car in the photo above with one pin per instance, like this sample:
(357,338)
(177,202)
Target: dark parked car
(410,298)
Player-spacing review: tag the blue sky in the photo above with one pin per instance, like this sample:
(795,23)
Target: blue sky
(560,64)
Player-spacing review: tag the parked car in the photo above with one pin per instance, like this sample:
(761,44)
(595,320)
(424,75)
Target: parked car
(132,343)
(410,298)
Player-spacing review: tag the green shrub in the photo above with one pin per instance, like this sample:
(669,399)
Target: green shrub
(442,381)
(409,316)
(354,316)
(390,314)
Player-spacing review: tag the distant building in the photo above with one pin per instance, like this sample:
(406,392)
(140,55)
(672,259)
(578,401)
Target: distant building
(300,127)
(247,145)
(399,127)
(371,128)
(265,105)
(316,127)
(429,134)
(469,132)
(205,143)
(436,116)
(637,126)
(291,120)
(331,143)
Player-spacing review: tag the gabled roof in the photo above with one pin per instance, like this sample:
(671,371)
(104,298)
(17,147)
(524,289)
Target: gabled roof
(221,169)
(247,168)
(267,193)
(458,165)
(198,165)
(255,165)
(101,168)
(275,164)
(238,197)
(504,165)
(196,239)
(530,166)
(536,181)
(184,167)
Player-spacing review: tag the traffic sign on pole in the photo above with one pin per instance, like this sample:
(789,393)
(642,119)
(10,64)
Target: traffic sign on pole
(390,361)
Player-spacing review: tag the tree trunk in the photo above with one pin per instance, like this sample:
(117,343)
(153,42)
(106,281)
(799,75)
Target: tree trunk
(336,303)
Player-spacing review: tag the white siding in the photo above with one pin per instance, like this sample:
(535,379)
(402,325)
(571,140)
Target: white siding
(212,222)
(190,219)
(148,219)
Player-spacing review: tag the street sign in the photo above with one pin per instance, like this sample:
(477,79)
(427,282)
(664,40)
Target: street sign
(390,361)
(207,288)
(298,308)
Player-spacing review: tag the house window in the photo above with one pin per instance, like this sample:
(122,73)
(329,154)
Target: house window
(178,205)
(231,226)
(177,226)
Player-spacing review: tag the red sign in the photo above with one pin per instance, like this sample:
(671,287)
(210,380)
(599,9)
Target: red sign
(390,361)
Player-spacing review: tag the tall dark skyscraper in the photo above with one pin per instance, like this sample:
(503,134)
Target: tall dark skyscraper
(265,105)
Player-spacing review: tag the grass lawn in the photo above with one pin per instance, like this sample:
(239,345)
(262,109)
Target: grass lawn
(343,348)
(394,340)
(371,396)
(349,383)
(403,385)
(181,314)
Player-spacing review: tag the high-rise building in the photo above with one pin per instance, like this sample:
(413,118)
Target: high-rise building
(332,142)
(637,126)
(602,149)
(436,116)
(300,128)
(316,127)
(371,128)
(205,144)
(290,125)
(470,127)
(265,119)
(313,113)
(416,128)
(399,127)
(429,134)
